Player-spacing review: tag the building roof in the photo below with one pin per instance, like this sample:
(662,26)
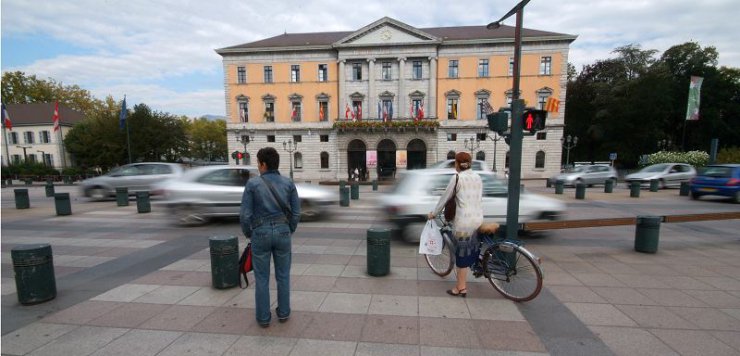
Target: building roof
(447,35)
(41,114)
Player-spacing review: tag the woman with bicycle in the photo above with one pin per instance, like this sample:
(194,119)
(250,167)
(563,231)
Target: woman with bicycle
(466,188)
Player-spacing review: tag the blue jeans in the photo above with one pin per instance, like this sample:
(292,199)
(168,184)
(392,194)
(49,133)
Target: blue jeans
(271,239)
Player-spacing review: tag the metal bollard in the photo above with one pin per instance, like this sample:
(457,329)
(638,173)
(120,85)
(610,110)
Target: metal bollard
(355,191)
(224,261)
(654,185)
(375,184)
(580,191)
(559,184)
(122,196)
(142,202)
(647,231)
(21,199)
(29,181)
(685,189)
(635,189)
(49,188)
(378,251)
(34,273)
(344,196)
(342,184)
(62,204)
(609,186)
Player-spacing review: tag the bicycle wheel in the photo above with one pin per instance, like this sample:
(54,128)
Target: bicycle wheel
(513,271)
(442,264)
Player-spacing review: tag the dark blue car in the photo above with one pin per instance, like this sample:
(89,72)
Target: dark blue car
(717,179)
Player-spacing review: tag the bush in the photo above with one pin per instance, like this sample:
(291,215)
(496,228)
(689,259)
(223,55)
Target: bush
(28,169)
(729,155)
(694,158)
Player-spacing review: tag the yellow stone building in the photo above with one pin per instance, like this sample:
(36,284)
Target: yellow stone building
(390,97)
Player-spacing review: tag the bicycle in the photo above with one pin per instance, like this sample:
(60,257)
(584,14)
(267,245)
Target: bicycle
(510,268)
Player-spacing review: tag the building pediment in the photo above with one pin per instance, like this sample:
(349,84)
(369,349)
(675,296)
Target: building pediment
(386,31)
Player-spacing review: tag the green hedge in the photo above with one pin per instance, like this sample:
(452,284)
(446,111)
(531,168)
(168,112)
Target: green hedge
(694,158)
(729,155)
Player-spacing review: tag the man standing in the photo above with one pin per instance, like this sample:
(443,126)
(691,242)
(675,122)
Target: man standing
(269,215)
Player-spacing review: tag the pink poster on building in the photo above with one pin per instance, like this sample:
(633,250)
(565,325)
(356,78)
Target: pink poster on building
(371,159)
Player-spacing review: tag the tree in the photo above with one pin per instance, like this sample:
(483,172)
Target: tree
(18,88)
(208,140)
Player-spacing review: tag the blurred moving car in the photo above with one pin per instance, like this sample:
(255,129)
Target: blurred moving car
(717,179)
(136,177)
(205,192)
(589,174)
(667,174)
(417,192)
(450,163)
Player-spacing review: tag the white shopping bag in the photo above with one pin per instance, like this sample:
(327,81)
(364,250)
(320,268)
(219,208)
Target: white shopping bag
(431,239)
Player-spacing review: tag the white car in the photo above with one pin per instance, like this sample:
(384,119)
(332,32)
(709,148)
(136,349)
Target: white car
(205,192)
(667,174)
(417,192)
(137,177)
(450,163)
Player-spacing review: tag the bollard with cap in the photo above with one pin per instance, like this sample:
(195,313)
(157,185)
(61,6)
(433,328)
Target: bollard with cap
(34,273)
(62,204)
(647,231)
(224,261)
(378,251)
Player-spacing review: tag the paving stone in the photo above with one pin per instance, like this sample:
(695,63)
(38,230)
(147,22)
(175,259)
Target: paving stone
(83,312)
(671,297)
(623,295)
(507,336)
(200,344)
(166,295)
(139,342)
(391,329)
(443,307)
(178,318)
(599,314)
(631,341)
(448,333)
(33,336)
(261,345)
(226,321)
(716,298)
(692,342)
(385,349)
(126,292)
(308,347)
(655,317)
(293,328)
(346,303)
(208,296)
(129,315)
(597,279)
(324,270)
(493,309)
(730,338)
(708,318)
(81,341)
(576,294)
(334,326)
(394,305)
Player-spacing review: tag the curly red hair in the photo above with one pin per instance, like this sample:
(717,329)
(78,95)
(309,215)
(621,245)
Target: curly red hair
(463,160)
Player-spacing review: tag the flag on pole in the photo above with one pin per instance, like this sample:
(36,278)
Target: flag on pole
(122,116)
(321,112)
(411,110)
(390,112)
(553,105)
(380,111)
(346,111)
(359,112)
(6,119)
(421,110)
(55,118)
(692,109)
(454,111)
(385,113)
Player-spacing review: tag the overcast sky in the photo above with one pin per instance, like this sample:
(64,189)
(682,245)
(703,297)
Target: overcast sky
(161,52)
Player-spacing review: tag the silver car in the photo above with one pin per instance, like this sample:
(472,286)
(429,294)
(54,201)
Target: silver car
(668,174)
(450,163)
(136,177)
(590,175)
(205,192)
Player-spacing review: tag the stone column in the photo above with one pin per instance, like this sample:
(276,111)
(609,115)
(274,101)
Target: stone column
(401,91)
(371,88)
(431,105)
(342,98)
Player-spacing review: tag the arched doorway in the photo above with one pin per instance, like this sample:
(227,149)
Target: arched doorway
(386,159)
(451,155)
(416,154)
(356,156)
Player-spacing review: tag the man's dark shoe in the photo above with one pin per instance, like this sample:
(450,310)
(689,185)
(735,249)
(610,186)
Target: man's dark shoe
(281,319)
(264,325)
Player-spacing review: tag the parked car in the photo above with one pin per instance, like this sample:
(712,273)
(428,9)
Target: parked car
(450,163)
(668,174)
(717,179)
(417,192)
(589,174)
(136,177)
(206,192)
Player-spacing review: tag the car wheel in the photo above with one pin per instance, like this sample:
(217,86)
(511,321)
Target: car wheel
(97,193)
(695,196)
(309,211)
(186,215)
(736,198)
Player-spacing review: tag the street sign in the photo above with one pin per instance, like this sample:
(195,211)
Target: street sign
(613,156)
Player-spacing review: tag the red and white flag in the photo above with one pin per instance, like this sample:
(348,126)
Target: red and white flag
(421,110)
(347,111)
(55,118)
(359,112)
(553,104)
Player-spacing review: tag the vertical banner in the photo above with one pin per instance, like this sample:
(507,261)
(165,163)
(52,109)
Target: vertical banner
(371,159)
(400,158)
(692,109)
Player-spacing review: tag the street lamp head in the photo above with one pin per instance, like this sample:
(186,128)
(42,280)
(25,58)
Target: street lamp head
(575,140)
(493,25)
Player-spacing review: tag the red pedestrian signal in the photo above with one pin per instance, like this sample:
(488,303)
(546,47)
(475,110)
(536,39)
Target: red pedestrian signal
(239,155)
(534,120)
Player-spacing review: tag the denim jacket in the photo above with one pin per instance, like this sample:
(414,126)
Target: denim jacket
(258,205)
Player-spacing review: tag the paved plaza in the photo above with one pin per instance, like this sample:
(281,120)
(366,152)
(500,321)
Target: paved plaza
(134,284)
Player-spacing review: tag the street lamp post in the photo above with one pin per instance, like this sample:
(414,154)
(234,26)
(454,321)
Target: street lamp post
(517,136)
(25,156)
(290,146)
(496,138)
(568,143)
(472,144)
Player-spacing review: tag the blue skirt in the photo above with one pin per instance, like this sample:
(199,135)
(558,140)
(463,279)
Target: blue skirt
(467,250)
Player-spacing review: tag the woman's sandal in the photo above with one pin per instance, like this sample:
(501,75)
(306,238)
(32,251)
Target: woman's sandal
(461,293)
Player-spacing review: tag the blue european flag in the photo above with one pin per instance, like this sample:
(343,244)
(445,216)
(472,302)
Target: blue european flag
(122,117)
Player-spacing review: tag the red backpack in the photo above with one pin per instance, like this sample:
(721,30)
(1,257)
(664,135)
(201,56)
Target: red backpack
(245,265)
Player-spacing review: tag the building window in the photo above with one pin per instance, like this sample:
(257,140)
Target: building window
(268,74)
(297,160)
(451,154)
(482,67)
(16,159)
(323,73)
(297,138)
(324,160)
(481,108)
(542,100)
(323,110)
(241,75)
(451,137)
(243,111)
(323,138)
(453,69)
(270,138)
(387,110)
(416,70)
(511,66)
(481,156)
(481,136)
(356,71)
(295,73)
(28,137)
(48,160)
(416,106)
(13,138)
(546,65)
(451,109)
(269,112)
(44,137)
(539,159)
(386,71)
(295,113)
(32,158)
(542,136)
(357,109)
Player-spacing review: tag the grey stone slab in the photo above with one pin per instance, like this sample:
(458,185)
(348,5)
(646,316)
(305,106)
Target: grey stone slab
(308,347)
(716,298)
(394,305)
(493,309)
(33,336)
(323,270)
(126,292)
(166,295)
(692,342)
(200,344)
(576,294)
(346,303)
(139,343)
(623,295)
(671,297)
(450,351)
(655,317)
(208,296)
(443,307)
(385,349)
(261,345)
(730,338)
(305,300)
(600,314)
(82,341)
(708,318)
(632,341)
(178,318)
